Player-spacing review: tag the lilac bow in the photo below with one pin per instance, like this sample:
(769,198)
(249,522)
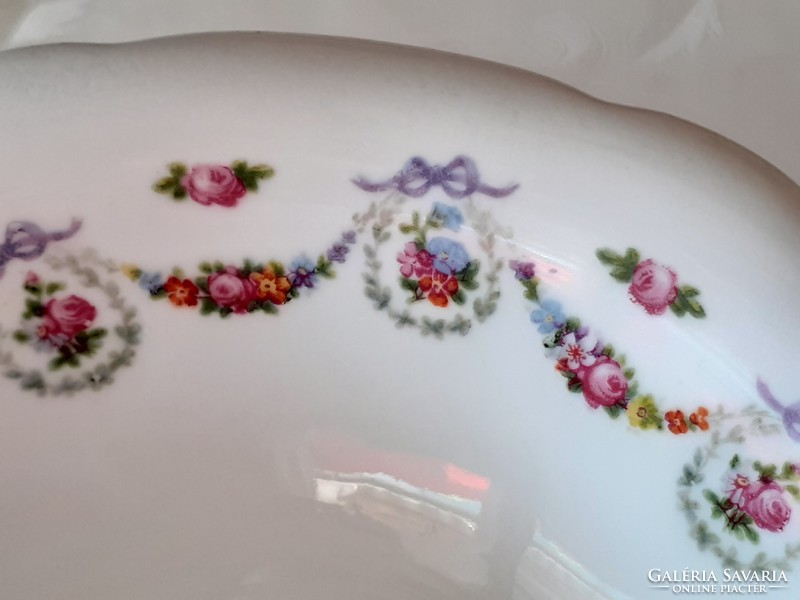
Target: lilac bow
(459,178)
(27,241)
(789,414)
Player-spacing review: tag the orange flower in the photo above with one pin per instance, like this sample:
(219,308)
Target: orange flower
(699,418)
(439,287)
(270,286)
(676,422)
(181,293)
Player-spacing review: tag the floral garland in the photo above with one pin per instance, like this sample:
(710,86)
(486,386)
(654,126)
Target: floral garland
(757,500)
(212,184)
(653,286)
(437,270)
(250,287)
(595,369)
(63,326)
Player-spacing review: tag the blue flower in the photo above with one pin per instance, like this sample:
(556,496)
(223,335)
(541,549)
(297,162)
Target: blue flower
(302,272)
(548,317)
(449,257)
(349,237)
(450,216)
(152,282)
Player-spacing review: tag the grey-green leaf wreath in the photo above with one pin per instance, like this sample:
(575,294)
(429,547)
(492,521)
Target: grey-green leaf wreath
(730,509)
(435,269)
(88,269)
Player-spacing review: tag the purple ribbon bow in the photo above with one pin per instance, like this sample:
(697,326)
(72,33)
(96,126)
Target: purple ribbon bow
(27,241)
(789,414)
(459,178)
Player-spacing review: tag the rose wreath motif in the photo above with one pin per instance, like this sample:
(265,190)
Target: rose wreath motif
(756,500)
(435,270)
(61,325)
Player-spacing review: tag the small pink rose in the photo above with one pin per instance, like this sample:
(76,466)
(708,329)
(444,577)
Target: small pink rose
(653,286)
(229,290)
(66,317)
(603,383)
(213,184)
(766,503)
(31,278)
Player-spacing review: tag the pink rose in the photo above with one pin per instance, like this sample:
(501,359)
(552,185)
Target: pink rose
(213,184)
(66,317)
(766,503)
(230,290)
(603,383)
(653,286)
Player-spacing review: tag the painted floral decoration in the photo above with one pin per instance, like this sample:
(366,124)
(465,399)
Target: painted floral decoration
(758,498)
(438,269)
(238,289)
(58,324)
(652,285)
(594,369)
(209,184)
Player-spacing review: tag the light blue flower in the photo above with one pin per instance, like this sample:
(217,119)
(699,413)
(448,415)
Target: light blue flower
(450,216)
(449,256)
(152,282)
(549,317)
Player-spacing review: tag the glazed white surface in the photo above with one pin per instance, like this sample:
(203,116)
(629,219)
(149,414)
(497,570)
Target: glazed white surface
(193,476)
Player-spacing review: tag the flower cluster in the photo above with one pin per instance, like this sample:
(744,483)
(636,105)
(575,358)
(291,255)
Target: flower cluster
(226,289)
(61,324)
(436,269)
(652,285)
(212,184)
(757,496)
(593,368)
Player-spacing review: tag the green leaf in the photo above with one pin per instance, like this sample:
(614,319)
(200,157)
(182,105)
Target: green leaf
(574,385)
(629,373)
(695,308)
(205,267)
(631,258)
(409,284)
(177,170)
(613,411)
(608,350)
(608,256)
(573,324)
(470,285)
(52,288)
(96,334)
(688,291)
(677,308)
(165,185)
(793,490)
(459,297)
(207,306)
(531,289)
(179,193)
(734,461)
(751,534)
(269,308)
(20,336)
(622,274)
(711,497)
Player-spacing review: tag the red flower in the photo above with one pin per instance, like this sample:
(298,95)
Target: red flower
(439,287)
(181,293)
(676,422)
(699,418)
